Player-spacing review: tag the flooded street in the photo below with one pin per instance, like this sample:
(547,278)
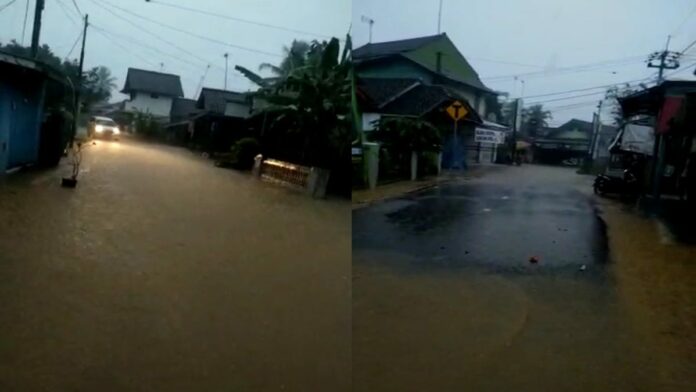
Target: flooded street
(444,294)
(162,272)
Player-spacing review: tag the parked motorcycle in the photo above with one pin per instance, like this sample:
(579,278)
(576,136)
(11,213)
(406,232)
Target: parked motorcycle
(627,186)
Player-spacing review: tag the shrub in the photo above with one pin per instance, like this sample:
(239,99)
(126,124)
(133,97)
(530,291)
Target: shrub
(244,151)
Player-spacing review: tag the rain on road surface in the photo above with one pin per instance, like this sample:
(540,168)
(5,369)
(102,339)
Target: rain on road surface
(445,299)
(162,272)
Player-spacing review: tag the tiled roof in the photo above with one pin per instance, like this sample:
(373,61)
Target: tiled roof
(153,82)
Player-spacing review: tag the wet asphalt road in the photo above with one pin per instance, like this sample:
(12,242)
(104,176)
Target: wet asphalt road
(491,224)
(444,296)
(161,272)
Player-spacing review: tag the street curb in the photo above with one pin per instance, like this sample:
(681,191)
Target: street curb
(358,206)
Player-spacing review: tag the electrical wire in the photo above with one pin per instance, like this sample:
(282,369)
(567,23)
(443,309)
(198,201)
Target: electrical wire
(149,32)
(144,45)
(2,7)
(101,3)
(24,25)
(565,98)
(126,49)
(77,7)
(586,89)
(73,46)
(571,69)
(267,25)
(66,11)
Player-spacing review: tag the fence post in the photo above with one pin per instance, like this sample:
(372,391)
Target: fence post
(256,170)
(414,165)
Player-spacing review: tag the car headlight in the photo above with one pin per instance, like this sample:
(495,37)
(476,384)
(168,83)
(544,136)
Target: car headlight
(116,131)
(99,129)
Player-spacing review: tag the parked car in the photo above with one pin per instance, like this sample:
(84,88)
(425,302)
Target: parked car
(104,127)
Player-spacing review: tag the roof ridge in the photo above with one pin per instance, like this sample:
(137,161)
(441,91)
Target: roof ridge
(221,90)
(154,72)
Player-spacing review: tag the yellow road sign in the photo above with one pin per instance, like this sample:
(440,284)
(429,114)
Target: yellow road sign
(457,111)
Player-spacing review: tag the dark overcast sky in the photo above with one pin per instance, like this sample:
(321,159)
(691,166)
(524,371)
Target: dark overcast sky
(319,17)
(543,35)
(538,35)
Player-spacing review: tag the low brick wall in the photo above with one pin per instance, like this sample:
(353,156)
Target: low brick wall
(311,180)
(284,173)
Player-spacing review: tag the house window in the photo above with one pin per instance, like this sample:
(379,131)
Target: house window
(155,96)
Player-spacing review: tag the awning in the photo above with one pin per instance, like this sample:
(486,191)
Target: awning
(634,138)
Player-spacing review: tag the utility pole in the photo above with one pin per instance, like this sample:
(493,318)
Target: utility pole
(370,22)
(597,127)
(666,60)
(515,127)
(227,55)
(37,28)
(76,107)
(439,18)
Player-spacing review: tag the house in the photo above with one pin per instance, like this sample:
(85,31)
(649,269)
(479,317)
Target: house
(224,102)
(29,134)
(213,122)
(151,92)
(421,77)
(433,60)
(570,141)
(671,107)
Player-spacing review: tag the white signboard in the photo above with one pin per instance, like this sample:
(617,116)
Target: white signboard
(488,136)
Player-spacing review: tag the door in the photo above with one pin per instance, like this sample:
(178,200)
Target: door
(5,118)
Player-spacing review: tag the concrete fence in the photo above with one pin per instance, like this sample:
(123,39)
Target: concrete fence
(311,180)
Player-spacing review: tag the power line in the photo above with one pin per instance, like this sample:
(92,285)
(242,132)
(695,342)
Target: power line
(152,48)
(2,7)
(73,46)
(77,7)
(693,10)
(24,24)
(564,98)
(149,32)
(66,12)
(688,47)
(504,62)
(586,89)
(125,49)
(572,69)
(267,25)
(188,32)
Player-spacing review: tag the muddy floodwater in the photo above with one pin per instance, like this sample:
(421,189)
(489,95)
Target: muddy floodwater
(161,272)
(445,297)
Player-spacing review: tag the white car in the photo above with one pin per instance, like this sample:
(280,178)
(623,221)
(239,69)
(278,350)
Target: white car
(104,127)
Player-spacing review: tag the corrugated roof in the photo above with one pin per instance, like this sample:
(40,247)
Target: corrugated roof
(423,99)
(380,90)
(392,47)
(424,52)
(214,100)
(153,82)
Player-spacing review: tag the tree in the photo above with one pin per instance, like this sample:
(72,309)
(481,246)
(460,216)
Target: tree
(534,118)
(295,57)
(407,134)
(97,83)
(308,108)
(614,93)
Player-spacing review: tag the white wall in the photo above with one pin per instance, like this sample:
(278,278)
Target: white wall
(234,109)
(144,102)
(367,119)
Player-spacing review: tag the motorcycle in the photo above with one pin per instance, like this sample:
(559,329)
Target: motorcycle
(628,185)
